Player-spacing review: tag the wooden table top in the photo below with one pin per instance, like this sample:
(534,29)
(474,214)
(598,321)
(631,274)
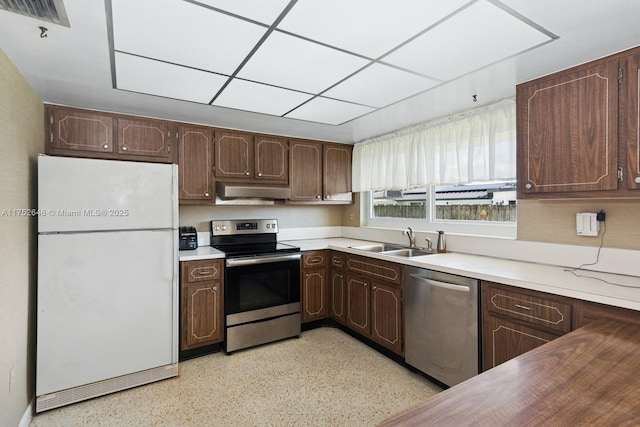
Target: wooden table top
(590,376)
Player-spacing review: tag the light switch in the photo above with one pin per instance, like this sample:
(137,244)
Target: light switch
(587,224)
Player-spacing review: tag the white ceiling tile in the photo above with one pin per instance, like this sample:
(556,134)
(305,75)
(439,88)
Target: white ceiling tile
(158,78)
(379,85)
(183,33)
(478,36)
(293,63)
(258,10)
(259,98)
(367,27)
(328,111)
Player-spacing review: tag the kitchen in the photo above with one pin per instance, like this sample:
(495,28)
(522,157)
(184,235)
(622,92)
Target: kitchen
(546,228)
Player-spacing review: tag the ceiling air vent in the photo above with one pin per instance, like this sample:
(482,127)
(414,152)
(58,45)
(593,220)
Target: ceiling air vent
(46,10)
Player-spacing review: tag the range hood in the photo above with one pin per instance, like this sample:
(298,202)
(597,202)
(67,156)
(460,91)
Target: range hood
(238,190)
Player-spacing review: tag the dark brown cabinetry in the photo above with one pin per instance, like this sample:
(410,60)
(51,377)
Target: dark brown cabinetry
(314,285)
(577,131)
(305,165)
(337,287)
(83,133)
(195,164)
(320,171)
(517,320)
(247,157)
(374,300)
(145,138)
(71,131)
(201,307)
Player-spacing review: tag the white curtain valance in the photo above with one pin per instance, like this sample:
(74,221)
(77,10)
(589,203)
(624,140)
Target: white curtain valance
(478,145)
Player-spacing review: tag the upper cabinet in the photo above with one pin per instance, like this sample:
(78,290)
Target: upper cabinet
(195,164)
(577,131)
(336,168)
(145,138)
(82,133)
(244,156)
(71,130)
(630,119)
(305,163)
(320,171)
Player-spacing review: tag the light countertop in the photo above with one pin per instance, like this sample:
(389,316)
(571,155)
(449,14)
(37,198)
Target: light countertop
(620,291)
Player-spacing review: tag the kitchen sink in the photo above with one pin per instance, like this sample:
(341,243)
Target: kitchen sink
(379,247)
(409,252)
(393,249)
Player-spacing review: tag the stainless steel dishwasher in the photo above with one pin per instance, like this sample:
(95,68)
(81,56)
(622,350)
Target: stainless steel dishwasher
(441,324)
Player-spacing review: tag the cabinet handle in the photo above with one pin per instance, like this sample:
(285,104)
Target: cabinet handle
(527,186)
(206,194)
(51,137)
(318,196)
(374,288)
(215,288)
(307,275)
(637,180)
(523,307)
(246,173)
(124,148)
(202,273)
(105,146)
(327,196)
(259,173)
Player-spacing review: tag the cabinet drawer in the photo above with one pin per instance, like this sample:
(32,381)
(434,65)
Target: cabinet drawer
(537,310)
(313,259)
(337,261)
(200,271)
(375,269)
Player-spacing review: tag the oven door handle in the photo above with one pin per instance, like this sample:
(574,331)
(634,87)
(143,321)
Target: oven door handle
(239,262)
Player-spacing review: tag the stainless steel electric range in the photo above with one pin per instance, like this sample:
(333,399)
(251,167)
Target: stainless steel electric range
(261,282)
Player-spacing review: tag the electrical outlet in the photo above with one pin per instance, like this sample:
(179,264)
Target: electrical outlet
(587,224)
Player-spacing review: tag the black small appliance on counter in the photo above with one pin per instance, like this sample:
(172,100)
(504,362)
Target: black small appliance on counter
(188,238)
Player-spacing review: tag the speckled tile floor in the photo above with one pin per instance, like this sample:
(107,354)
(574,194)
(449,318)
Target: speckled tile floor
(323,378)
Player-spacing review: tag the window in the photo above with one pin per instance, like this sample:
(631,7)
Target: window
(411,177)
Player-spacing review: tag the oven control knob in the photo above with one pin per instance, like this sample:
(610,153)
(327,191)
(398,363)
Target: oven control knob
(268,225)
(223,227)
(216,228)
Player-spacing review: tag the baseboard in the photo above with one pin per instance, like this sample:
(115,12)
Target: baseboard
(27,416)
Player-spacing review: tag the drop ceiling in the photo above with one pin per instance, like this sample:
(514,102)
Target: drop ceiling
(340,70)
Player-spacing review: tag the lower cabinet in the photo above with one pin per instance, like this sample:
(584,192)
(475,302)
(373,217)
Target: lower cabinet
(314,285)
(374,300)
(201,307)
(337,287)
(516,320)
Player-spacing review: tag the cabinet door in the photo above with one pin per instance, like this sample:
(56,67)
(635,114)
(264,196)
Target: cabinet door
(630,120)
(77,130)
(337,297)
(568,131)
(386,316)
(201,314)
(145,138)
(503,340)
(314,295)
(195,160)
(234,155)
(305,170)
(358,304)
(337,172)
(271,159)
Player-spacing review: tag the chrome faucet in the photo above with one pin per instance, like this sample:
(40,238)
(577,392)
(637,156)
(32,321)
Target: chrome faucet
(428,240)
(412,237)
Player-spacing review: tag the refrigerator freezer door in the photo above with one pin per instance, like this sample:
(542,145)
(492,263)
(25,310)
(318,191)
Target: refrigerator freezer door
(90,194)
(107,306)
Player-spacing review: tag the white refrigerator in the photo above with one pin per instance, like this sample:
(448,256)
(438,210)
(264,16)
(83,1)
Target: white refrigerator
(107,296)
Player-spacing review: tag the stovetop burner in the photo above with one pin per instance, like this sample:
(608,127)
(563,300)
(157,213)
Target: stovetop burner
(248,237)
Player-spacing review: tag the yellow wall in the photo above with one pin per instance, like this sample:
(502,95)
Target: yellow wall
(288,216)
(21,139)
(554,221)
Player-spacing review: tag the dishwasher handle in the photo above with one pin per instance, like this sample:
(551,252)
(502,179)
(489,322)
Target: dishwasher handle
(439,284)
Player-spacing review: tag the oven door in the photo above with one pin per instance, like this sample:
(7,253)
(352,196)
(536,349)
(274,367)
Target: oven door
(256,283)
